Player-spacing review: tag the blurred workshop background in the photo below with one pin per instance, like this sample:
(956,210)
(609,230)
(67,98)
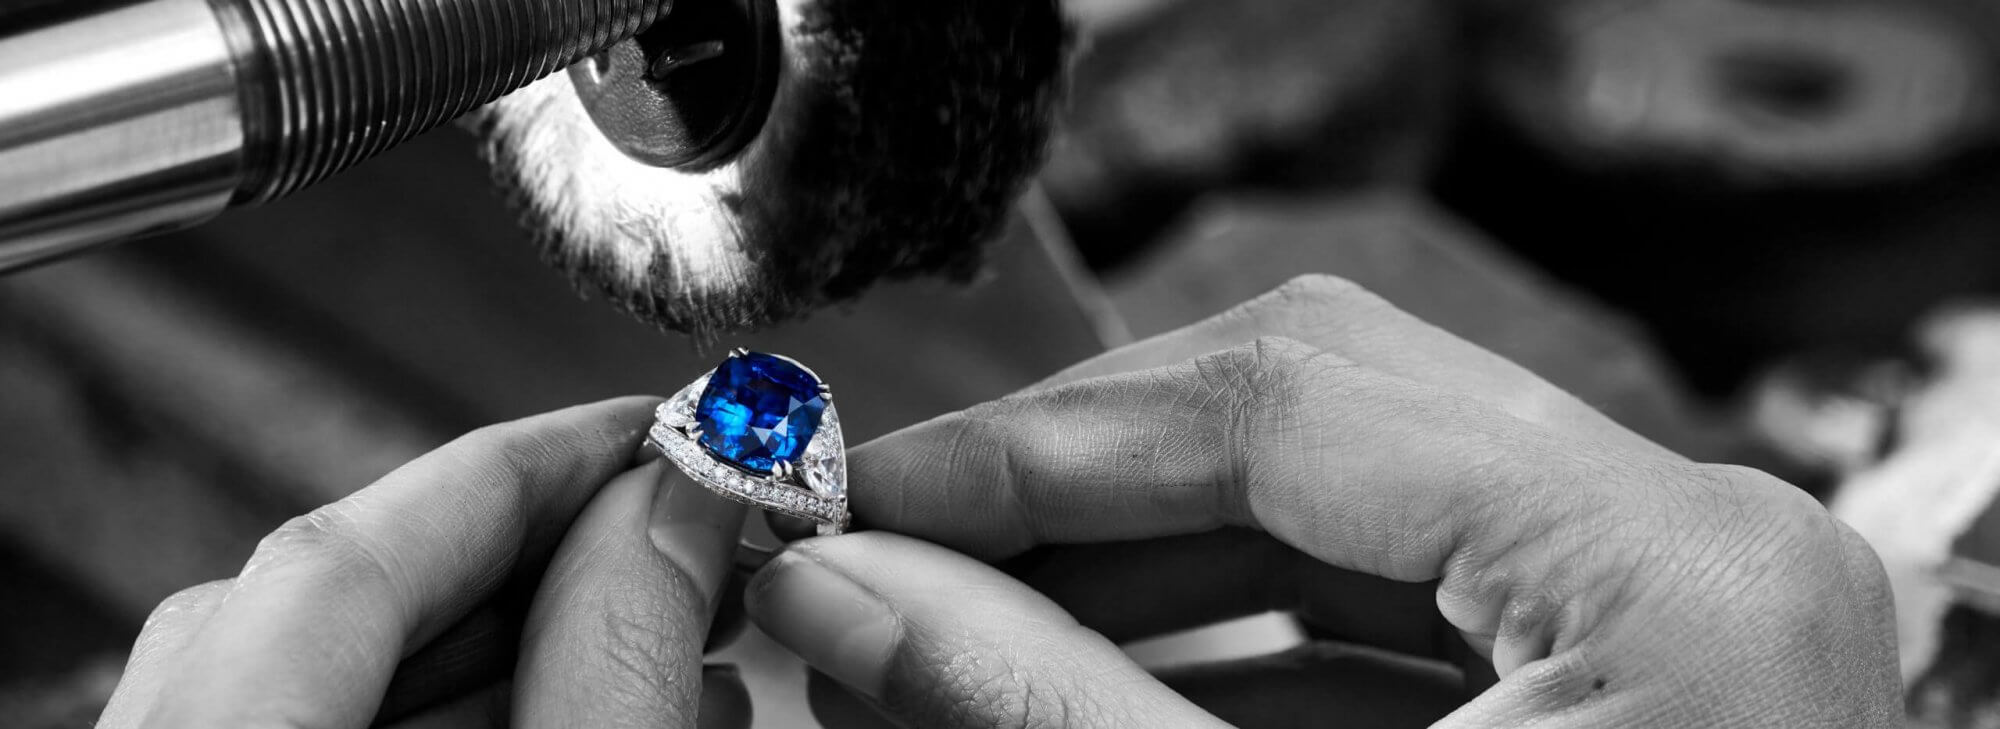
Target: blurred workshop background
(1756,231)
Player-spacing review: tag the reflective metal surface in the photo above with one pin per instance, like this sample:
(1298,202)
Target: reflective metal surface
(113,125)
(128,117)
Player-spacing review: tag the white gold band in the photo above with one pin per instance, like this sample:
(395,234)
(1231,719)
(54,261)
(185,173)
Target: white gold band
(814,487)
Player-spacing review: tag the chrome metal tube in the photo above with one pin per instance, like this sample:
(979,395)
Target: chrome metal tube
(116,124)
(130,117)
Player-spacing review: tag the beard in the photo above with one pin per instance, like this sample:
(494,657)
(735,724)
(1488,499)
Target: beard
(898,136)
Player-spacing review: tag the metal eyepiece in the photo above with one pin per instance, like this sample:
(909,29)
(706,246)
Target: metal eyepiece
(122,118)
(688,94)
(334,82)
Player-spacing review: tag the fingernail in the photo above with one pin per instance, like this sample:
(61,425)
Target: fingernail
(696,530)
(837,626)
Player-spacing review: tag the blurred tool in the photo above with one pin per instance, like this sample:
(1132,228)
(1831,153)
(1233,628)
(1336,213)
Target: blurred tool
(1922,493)
(1745,93)
(1753,179)
(1179,99)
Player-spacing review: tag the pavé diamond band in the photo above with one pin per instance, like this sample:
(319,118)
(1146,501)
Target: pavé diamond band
(760,429)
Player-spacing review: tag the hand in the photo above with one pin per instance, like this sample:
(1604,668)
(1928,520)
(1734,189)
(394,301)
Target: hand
(1412,496)
(407,603)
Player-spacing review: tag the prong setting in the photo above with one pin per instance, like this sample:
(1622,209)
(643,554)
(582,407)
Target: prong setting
(809,486)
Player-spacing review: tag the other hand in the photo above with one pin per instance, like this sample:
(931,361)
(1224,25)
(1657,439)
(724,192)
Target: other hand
(1412,496)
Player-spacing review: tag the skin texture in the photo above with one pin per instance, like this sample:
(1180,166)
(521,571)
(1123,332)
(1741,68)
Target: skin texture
(529,574)
(1424,502)
(1319,451)
(899,137)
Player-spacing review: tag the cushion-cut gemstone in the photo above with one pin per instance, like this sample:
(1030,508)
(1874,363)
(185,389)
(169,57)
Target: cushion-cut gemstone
(759,410)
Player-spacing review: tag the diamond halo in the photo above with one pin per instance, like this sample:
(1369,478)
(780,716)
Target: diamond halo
(811,486)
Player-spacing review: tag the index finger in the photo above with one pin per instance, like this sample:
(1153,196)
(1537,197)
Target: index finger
(329,603)
(1360,469)
(1339,316)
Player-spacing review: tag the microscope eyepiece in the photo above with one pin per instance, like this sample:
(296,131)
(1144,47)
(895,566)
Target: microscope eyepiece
(126,118)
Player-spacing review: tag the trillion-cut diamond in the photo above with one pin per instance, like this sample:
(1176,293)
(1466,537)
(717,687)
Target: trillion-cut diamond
(824,475)
(678,410)
(759,410)
(824,465)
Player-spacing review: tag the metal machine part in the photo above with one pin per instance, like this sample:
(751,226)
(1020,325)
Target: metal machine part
(121,118)
(688,94)
(123,121)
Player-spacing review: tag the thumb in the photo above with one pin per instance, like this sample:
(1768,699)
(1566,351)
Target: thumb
(615,635)
(937,639)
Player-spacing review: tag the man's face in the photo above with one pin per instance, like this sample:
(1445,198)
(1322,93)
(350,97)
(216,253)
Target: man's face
(897,138)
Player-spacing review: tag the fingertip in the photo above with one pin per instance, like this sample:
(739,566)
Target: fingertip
(623,503)
(639,483)
(622,419)
(940,639)
(603,438)
(634,416)
(696,530)
(824,616)
(621,414)
(615,635)
(629,404)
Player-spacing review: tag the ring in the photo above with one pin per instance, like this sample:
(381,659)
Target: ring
(760,429)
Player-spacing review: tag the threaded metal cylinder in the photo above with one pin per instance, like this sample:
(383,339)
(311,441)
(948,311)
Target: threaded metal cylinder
(333,82)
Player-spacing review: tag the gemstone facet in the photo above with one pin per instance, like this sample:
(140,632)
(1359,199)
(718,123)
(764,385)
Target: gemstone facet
(759,410)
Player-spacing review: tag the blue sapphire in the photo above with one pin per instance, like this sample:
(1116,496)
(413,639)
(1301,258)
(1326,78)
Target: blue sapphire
(759,410)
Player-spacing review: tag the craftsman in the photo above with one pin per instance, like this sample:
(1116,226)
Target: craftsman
(1479,543)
